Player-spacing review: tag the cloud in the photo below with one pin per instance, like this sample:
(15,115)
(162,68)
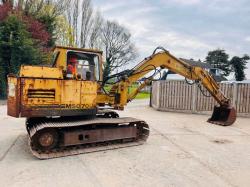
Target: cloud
(180,44)
(182,2)
(247,39)
(187,28)
(111,6)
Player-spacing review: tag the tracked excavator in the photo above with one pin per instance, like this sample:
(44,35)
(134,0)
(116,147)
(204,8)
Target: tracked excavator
(69,111)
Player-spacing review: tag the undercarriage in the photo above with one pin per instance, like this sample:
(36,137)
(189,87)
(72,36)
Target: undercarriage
(65,136)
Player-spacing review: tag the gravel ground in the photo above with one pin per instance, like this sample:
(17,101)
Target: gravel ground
(182,150)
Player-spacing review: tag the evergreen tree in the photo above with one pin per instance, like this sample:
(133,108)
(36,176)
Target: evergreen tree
(50,24)
(219,59)
(16,47)
(239,65)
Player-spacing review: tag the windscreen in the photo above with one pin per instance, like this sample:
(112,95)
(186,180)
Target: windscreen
(86,64)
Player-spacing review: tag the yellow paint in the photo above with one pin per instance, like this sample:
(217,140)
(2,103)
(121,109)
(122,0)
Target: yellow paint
(41,72)
(71,92)
(46,86)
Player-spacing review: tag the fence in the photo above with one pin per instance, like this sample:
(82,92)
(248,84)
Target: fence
(182,97)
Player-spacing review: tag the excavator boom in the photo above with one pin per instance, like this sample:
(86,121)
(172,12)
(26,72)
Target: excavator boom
(224,114)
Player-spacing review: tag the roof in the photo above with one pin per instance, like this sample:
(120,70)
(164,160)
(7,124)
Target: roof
(173,76)
(197,63)
(79,49)
(191,62)
(218,78)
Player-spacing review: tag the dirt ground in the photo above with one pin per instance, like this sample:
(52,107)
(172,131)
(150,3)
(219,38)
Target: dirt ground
(182,150)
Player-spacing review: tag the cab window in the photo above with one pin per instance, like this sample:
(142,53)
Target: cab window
(54,58)
(82,66)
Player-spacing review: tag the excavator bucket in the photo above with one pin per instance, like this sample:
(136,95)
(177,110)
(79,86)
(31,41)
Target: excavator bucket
(223,116)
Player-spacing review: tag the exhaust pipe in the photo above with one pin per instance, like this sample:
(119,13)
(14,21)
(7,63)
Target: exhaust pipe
(223,115)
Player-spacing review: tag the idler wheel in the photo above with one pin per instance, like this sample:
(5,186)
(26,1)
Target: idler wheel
(45,140)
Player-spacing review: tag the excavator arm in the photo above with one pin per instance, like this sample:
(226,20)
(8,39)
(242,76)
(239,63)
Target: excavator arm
(223,115)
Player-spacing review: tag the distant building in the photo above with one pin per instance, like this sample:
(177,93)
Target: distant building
(215,72)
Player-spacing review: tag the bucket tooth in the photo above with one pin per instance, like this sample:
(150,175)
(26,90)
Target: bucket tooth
(223,116)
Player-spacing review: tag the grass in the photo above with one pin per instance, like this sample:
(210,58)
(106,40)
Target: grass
(141,95)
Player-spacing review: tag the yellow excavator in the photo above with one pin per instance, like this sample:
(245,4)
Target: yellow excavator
(69,109)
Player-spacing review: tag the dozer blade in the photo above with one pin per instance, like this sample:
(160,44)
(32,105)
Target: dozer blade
(223,116)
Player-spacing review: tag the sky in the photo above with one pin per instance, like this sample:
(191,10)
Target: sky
(187,28)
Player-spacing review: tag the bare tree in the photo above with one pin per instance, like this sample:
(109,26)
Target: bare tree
(72,15)
(95,36)
(119,49)
(10,2)
(35,7)
(80,16)
(75,19)
(90,32)
(86,22)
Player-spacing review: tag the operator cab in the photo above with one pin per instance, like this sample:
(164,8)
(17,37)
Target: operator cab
(82,66)
(78,63)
